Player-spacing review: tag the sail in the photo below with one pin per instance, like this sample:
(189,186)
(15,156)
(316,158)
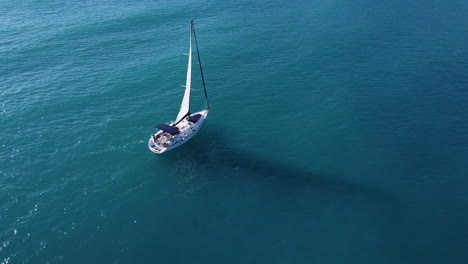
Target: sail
(185,106)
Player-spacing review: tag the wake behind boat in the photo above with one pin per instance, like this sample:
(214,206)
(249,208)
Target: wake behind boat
(173,134)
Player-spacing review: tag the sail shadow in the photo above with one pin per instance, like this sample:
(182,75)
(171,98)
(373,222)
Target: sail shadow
(210,151)
(242,193)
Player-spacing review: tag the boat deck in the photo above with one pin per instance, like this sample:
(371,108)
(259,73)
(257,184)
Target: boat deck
(188,127)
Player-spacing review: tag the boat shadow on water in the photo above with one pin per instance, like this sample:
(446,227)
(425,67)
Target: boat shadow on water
(250,189)
(211,154)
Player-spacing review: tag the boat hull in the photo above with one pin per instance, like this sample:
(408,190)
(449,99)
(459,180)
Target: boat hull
(162,142)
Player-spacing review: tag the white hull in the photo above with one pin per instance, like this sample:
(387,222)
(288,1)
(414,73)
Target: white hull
(163,142)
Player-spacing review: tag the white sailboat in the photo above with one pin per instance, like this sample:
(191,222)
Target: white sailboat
(173,134)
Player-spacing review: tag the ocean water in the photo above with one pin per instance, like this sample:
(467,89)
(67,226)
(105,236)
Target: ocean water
(338,132)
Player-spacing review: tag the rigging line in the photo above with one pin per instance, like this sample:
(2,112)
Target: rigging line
(199,63)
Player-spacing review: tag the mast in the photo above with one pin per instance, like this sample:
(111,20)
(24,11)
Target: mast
(192,28)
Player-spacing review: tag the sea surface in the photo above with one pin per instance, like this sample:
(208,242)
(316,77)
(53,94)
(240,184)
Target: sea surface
(338,132)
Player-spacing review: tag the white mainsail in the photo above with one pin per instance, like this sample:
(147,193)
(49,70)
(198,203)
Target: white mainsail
(185,106)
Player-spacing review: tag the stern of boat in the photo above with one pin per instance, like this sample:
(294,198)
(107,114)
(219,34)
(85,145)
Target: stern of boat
(155,147)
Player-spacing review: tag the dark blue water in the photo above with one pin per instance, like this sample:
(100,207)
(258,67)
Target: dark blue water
(338,132)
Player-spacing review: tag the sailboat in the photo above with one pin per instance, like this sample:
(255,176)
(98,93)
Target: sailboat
(175,133)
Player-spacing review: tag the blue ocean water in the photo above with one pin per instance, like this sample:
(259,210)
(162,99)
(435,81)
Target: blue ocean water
(338,132)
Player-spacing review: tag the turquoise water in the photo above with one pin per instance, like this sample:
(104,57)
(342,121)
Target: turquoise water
(338,132)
